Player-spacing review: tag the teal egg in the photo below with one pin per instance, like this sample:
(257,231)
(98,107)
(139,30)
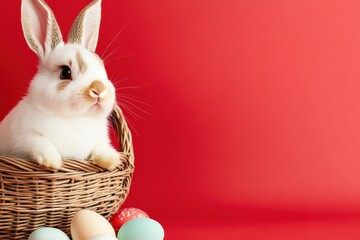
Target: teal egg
(48,233)
(141,229)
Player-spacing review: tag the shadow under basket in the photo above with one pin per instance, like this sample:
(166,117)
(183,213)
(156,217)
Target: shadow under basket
(32,196)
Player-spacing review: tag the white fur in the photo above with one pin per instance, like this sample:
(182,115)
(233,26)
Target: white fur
(51,124)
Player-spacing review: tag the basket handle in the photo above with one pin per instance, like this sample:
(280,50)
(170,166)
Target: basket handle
(123,133)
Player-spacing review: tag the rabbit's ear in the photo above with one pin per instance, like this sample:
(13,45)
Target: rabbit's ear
(40,28)
(85,30)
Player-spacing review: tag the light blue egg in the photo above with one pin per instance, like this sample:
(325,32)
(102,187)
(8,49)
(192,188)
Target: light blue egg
(48,233)
(141,229)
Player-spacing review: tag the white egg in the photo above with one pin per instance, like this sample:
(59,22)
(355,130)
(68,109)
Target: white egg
(103,237)
(87,224)
(48,233)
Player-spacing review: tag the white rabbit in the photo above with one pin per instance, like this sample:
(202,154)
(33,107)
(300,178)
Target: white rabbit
(65,112)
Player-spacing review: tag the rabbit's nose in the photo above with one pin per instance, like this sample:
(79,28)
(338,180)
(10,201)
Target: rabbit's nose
(97,89)
(93,92)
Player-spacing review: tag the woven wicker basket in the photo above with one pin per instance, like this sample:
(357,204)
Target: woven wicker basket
(32,196)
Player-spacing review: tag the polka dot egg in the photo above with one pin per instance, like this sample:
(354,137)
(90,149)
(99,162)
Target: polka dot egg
(124,215)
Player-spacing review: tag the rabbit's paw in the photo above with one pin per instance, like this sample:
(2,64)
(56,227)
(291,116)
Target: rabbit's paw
(49,159)
(108,160)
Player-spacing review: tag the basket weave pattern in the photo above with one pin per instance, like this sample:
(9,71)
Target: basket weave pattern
(32,196)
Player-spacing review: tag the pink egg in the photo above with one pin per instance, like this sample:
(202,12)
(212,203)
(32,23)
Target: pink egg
(124,215)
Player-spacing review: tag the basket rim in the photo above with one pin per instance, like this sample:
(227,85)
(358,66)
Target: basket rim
(14,165)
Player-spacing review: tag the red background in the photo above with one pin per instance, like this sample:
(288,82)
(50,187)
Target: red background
(245,114)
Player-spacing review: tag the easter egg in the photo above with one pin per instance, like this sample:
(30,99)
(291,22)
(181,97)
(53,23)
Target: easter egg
(48,233)
(87,224)
(124,215)
(141,229)
(103,237)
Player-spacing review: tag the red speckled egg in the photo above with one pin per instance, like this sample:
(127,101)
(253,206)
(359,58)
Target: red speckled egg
(124,215)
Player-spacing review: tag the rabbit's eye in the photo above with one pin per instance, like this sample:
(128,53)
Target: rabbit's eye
(65,73)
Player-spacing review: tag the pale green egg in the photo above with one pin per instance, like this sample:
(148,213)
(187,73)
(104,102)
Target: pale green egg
(141,229)
(48,233)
